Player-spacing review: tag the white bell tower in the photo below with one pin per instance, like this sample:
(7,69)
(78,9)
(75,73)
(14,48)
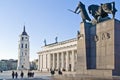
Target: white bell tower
(23,51)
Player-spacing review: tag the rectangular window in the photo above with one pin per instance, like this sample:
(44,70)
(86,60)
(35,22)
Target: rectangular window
(21,45)
(25,45)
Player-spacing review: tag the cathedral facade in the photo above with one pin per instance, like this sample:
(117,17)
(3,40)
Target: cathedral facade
(58,55)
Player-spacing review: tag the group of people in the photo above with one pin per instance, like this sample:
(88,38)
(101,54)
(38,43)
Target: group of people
(30,74)
(53,72)
(15,74)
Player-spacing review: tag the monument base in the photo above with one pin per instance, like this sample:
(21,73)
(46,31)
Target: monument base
(98,49)
(96,73)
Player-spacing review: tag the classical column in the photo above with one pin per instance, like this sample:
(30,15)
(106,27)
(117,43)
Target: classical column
(58,61)
(53,61)
(49,61)
(42,61)
(67,64)
(73,60)
(39,62)
(62,60)
(46,65)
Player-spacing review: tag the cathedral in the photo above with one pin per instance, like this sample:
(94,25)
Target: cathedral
(59,55)
(23,51)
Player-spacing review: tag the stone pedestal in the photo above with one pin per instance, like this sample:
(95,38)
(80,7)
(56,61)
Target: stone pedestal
(82,48)
(105,44)
(98,48)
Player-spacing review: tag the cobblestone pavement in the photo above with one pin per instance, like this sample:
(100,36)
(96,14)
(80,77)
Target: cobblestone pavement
(47,76)
(7,75)
(28,79)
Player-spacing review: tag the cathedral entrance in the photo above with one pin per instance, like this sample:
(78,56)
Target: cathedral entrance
(69,67)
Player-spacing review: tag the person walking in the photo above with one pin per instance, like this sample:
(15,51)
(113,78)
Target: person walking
(59,72)
(16,75)
(22,74)
(28,74)
(12,74)
(52,72)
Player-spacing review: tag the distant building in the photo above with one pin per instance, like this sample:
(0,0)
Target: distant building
(23,51)
(8,64)
(58,55)
(3,65)
(34,64)
(13,64)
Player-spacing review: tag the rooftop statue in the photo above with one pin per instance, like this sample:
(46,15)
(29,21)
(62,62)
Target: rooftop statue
(56,39)
(45,42)
(81,9)
(102,11)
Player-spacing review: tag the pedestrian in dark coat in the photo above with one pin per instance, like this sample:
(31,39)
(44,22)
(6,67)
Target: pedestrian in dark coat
(13,74)
(52,72)
(16,75)
(22,74)
(59,72)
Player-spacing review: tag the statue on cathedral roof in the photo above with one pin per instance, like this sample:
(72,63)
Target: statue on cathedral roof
(45,42)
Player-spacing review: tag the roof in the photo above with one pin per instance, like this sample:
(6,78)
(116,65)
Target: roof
(24,32)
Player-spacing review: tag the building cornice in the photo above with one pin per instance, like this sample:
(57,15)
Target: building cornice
(60,43)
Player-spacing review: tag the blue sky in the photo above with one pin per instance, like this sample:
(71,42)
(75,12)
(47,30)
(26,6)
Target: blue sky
(44,19)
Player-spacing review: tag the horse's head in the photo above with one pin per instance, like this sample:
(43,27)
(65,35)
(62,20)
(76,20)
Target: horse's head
(93,8)
(89,9)
(81,5)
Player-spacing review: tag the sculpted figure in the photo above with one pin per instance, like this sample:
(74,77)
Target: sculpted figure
(81,9)
(102,11)
(109,8)
(45,42)
(97,12)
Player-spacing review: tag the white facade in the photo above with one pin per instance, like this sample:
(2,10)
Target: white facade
(23,51)
(60,55)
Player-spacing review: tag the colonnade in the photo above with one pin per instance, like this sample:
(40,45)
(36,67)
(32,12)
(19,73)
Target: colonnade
(64,61)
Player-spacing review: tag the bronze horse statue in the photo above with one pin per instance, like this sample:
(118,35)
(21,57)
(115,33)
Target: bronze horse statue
(103,10)
(81,9)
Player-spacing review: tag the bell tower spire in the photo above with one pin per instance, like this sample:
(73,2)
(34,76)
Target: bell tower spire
(23,51)
(24,32)
(24,29)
